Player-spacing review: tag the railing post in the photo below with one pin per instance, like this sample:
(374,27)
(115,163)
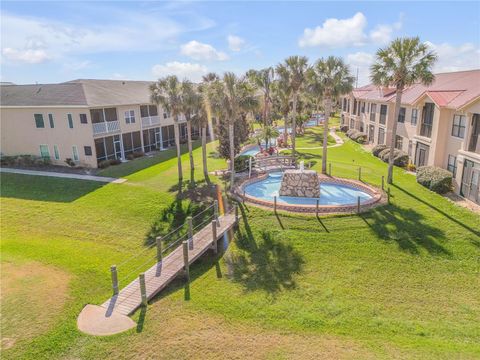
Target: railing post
(185,260)
(113,270)
(243,199)
(316,208)
(275,203)
(383,182)
(159,248)
(215,211)
(249,167)
(214,235)
(329,169)
(388,195)
(143,288)
(236,214)
(359,173)
(358,205)
(190,232)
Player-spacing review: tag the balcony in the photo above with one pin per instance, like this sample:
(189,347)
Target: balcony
(426,130)
(150,121)
(107,127)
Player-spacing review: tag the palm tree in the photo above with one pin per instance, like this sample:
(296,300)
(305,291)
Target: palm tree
(281,103)
(293,73)
(232,98)
(262,80)
(266,133)
(190,98)
(202,111)
(404,62)
(167,92)
(332,77)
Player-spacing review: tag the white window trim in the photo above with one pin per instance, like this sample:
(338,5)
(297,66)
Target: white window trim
(43,116)
(73,153)
(464,126)
(129,116)
(40,149)
(54,154)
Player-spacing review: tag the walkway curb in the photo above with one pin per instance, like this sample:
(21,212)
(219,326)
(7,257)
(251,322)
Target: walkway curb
(63,175)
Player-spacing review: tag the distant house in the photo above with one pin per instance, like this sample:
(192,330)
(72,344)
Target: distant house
(85,120)
(437,125)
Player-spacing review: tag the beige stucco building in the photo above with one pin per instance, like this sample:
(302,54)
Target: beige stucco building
(438,125)
(84,120)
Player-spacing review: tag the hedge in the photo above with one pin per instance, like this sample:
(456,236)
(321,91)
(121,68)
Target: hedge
(400,158)
(377,149)
(434,178)
(241,163)
(344,128)
(359,137)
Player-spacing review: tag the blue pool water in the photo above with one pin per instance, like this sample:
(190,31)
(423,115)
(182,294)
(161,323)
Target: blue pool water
(252,151)
(330,193)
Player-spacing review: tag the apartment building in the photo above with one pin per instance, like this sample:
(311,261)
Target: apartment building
(84,120)
(438,125)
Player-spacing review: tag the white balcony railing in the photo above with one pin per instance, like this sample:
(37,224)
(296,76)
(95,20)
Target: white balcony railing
(106,127)
(150,121)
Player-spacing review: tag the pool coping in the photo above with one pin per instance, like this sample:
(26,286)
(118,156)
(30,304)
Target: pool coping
(379,197)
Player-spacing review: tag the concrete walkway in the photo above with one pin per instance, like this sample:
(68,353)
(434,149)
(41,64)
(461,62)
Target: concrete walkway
(63,175)
(338,142)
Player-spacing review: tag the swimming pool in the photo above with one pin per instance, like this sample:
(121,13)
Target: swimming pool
(331,193)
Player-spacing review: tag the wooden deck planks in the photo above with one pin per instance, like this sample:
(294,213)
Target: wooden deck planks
(161,274)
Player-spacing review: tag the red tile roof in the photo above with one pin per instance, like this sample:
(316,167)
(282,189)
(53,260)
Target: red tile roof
(452,90)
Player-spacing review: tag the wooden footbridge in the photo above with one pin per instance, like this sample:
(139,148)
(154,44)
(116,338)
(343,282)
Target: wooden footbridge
(172,260)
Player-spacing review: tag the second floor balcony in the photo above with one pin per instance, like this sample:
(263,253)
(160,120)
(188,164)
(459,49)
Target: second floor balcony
(150,121)
(106,127)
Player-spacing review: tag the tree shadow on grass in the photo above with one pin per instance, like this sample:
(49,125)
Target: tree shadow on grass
(407,228)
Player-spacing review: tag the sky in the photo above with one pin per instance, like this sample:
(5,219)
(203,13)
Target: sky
(48,42)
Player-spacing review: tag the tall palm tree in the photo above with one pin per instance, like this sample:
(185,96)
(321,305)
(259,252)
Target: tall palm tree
(332,77)
(167,92)
(404,62)
(293,73)
(262,80)
(202,111)
(231,98)
(281,103)
(190,98)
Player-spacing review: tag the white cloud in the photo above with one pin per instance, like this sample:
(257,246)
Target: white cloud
(29,56)
(455,58)
(360,61)
(235,43)
(348,32)
(200,51)
(191,71)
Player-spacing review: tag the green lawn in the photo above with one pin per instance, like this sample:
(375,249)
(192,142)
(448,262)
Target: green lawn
(398,282)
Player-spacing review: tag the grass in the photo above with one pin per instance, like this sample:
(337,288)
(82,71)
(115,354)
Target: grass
(400,281)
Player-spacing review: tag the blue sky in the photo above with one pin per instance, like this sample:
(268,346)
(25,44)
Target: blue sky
(58,41)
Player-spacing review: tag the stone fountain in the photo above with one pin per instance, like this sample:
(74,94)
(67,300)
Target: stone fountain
(300,183)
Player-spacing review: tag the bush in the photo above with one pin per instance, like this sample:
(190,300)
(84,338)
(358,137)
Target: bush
(106,163)
(400,158)
(350,132)
(70,162)
(359,137)
(137,154)
(241,163)
(7,160)
(411,166)
(130,157)
(377,149)
(383,155)
(344,128)
(434,178)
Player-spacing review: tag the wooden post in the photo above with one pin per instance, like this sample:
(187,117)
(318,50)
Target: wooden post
(236,214)
(215,211)
(113,270)
(316,208)
(330,169)
(360,173)
(190,232)
(383,182)
(249,167)
(243,199)
(275,204)
(214,235)
(143,288)
(388,194)
(185,260)
(159,248)
(358,205)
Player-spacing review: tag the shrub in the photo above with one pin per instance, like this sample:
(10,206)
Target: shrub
(400,158)
(434,178)
(344,128)
(241,163)
(359,137)
(411,166)
(137,154)
(350,132)
(377,149)
(70,162)
(104,164)
(130,157)
(115,161)
(7,160)
(383,155)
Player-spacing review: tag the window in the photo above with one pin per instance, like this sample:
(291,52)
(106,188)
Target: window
(96,115)
(110,114)
(148,110)
(70,121)
(44,152)
(381,136)
(352,124)
(427,120)
(83,119)
(87,150)
(458,128)
(39,121)
(398,142)
(363,107)
(56,154)
(383,114)
(373,110)
(452,164)
(414,117)
(130,116)
(401,115)
(75,153)
(50,120)
(354,106)
(164,115)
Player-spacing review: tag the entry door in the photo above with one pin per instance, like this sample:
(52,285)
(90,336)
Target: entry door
(158,138)
(421,155)
(470,182)
(474,193)
(117,147)
(371,133)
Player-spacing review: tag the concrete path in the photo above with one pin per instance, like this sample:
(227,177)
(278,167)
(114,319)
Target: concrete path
(63,175)
(338,142)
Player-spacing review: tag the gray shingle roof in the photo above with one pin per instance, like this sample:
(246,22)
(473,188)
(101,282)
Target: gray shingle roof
(82,92)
